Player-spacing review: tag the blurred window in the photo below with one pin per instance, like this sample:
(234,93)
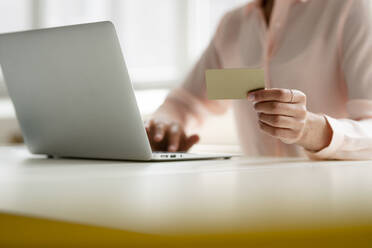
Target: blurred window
(160,39)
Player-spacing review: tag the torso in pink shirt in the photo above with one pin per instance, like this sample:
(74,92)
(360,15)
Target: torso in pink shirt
(320,47)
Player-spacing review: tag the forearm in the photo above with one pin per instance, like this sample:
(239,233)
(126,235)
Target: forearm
(350,139)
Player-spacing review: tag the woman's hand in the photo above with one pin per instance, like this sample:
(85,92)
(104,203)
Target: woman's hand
(168,136)
(282,114)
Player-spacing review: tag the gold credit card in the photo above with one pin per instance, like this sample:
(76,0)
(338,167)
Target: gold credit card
(233,83)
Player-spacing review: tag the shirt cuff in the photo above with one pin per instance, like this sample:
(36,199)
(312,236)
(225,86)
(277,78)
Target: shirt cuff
(336,141)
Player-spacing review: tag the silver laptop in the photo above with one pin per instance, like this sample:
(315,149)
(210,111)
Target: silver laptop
(73,96)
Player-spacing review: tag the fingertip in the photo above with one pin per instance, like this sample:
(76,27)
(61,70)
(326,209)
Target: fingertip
(158,137)
(194,139)
(172,148)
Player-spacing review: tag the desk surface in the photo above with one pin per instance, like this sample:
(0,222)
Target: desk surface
(250,194)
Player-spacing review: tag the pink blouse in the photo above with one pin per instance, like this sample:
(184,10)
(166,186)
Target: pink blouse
(320,47)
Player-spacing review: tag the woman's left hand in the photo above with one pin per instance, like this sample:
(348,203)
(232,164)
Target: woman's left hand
(282,114)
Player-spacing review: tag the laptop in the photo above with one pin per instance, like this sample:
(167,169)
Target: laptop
(73,96)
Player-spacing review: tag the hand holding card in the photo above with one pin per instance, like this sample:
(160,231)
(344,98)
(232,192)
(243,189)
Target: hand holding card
(233,83)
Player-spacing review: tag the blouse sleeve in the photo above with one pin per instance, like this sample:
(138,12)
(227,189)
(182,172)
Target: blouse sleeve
(352,137)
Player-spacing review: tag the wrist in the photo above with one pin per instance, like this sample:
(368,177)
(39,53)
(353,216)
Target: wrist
(317,133)
(169,113)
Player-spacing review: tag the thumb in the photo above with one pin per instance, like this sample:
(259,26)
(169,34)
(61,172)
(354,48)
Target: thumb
(190,141)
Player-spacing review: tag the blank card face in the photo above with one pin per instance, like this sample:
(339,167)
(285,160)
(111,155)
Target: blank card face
(233,83)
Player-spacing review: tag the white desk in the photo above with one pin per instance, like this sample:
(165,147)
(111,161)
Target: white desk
(264,196)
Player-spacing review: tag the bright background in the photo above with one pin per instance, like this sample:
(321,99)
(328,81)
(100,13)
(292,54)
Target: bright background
(161,39)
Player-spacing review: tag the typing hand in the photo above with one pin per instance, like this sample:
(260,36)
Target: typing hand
(168,136)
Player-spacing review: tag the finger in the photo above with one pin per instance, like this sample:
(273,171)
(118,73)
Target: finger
(155,145)
(150,130)
(174,137)
(159,133)
(190,141)
(148,125)
(279,95)
(280,121)
(279,108)
(281,133)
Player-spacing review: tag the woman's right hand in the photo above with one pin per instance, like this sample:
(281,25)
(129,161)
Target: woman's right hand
(168,136)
